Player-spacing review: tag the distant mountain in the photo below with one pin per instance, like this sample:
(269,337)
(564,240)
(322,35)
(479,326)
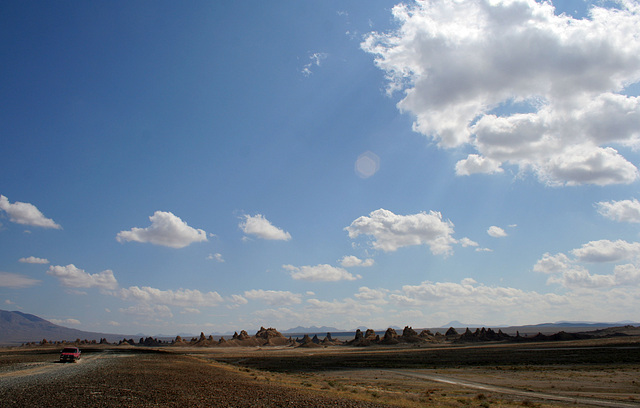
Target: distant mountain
(17,327)
(455,323)
(312,329)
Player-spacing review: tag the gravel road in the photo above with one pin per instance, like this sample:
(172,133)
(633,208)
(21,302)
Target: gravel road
(127,379)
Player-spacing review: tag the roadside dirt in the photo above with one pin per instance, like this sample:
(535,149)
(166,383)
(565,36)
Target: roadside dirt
(561,374)
(151,380)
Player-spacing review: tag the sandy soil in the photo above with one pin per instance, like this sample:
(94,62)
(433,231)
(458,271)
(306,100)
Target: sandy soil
(123,379)
(560,374)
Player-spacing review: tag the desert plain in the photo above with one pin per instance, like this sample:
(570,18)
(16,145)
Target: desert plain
(590,372)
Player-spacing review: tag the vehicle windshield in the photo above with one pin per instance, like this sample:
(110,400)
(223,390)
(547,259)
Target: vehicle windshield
(69,350)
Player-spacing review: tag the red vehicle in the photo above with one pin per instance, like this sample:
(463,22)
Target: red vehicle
(70,354)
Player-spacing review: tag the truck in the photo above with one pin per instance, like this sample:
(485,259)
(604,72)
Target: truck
(71,354)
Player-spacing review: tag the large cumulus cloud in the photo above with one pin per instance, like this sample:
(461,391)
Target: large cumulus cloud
(521,84)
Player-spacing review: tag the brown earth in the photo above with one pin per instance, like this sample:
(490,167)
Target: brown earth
(595,372)
(152,379)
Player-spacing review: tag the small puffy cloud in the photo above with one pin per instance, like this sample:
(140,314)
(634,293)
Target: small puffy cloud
(349,261)
(190,310)
(553,264)
(65,322)
(8,302)
(477,164)
(622,211)
(274,297)
(372,295)
(217,257)
(320,273)
(560,79)
(180,297)
(496,232)
(34,260)
(166,229)
(73,277)
(26,214)
(113,323)
(466,242)
(260,227)
(14,280)
(607,251)
(391,231)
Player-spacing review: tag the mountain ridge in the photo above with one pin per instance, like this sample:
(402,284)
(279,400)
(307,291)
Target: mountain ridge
(17,327)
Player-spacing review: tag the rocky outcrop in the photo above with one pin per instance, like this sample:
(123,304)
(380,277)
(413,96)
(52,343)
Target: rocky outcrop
(390,337)
(308,342)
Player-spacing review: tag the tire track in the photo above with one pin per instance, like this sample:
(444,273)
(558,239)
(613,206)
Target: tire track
(514,391)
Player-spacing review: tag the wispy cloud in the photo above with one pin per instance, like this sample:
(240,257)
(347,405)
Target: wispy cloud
(274,297)
(320,273)
(33,260)
(316,59)
(14,280)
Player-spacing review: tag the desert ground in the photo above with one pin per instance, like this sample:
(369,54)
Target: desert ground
(598,372)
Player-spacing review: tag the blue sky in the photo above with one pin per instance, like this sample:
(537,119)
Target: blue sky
(224,166)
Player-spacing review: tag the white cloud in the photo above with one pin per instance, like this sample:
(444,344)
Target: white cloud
(180,297)
(496,232)
(152,312)
(14,280)
(316,59)
(623,211)
(34,260)
(553,264)
(274,297)
(376,296)
(484,250)
(166,229)
(8,302)
(466,242)
(477,164)
(217,257)
(348,306)
(65,322)
(260,227)
(73,277)
(455,62)
(26,214)
(320,273)
(190,310)
(349,261)
(569,273)
(468,293)
(391,231)
(237,300)
(607,251)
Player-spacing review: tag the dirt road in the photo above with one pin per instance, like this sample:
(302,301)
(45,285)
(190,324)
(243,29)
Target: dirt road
(152,379)
(514,391)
